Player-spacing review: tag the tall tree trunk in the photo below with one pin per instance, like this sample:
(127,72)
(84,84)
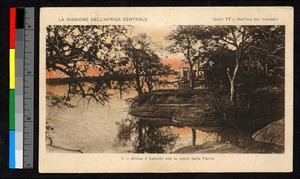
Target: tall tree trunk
(232,78)
(266,71)
(194,136)
(232,86)
(232,92)
(139,87)
(192,77)
(192,80)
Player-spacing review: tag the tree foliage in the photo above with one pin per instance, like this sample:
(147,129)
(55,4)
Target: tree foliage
(249,65)
(248,55)
(189,41)
(118,59)
(144,63)
(72,50)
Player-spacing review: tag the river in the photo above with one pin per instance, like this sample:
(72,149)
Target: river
(94,128)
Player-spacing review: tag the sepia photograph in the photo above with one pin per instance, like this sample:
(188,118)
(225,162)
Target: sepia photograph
(132,87)
(178,89)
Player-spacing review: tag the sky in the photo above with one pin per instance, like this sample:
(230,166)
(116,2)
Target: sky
(158,35)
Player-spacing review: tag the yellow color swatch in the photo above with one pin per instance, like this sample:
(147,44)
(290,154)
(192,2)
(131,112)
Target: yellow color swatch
(12,68)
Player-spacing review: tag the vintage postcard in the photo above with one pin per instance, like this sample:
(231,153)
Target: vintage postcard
(166,89)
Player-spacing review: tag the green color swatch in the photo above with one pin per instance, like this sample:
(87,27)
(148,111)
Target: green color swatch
(11,109)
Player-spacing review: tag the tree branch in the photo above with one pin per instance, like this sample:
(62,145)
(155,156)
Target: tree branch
(269,33)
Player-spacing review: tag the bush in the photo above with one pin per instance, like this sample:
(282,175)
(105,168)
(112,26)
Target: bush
(252,111)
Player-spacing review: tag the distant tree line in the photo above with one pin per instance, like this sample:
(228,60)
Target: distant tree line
(111,51)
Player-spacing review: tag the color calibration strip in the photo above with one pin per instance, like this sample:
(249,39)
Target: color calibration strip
(12,68)
(21,63)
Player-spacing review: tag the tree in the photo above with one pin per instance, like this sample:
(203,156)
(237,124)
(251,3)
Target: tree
(185,40)
(118,60)
(265,60)
(219,59)
(144,64)
(237,39)
(154,71)
(73,50)
(255,47)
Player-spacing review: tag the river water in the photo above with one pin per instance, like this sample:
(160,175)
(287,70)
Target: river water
(94,128)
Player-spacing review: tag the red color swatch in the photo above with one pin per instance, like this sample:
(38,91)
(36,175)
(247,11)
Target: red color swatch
(12,27)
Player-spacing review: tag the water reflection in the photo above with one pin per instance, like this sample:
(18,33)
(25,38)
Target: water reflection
(145,138)
(127,129)
(157,140)
(110,129)
(154,138)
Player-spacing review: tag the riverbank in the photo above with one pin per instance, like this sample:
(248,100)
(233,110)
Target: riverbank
(197,110)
